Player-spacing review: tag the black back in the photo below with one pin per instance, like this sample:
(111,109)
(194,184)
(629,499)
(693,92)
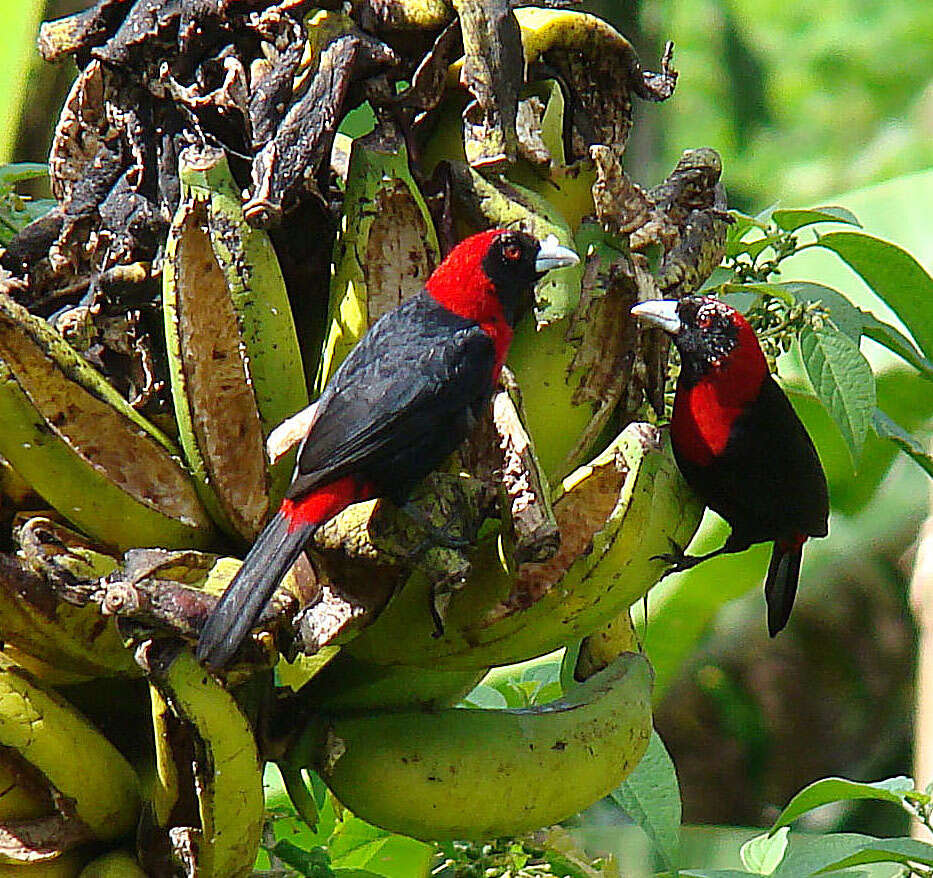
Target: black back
(768,483)
(406,396)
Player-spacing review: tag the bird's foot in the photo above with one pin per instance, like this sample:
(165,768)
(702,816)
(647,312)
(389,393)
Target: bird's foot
(678,560)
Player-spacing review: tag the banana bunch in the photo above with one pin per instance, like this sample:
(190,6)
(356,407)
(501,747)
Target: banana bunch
(123,532)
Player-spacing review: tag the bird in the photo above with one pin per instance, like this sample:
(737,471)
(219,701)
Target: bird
(402,401)
(739,443)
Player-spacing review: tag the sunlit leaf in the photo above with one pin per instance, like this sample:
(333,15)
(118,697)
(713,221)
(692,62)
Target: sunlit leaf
(485,697)
(838,789)
(793,219)
(894,275)
(842,379)
(763,853)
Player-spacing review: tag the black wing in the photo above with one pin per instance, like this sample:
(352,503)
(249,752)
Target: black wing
(406,396)
(769,482)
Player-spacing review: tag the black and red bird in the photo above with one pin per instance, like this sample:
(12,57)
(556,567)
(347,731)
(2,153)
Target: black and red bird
(740,444)
(406,396)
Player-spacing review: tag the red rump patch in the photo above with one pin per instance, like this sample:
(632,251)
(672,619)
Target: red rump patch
(461,285)
(704,414)
(792,544)
(323,504)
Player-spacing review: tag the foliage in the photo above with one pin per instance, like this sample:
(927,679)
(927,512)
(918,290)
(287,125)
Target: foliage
(17,211)
(769,83)
(827,326)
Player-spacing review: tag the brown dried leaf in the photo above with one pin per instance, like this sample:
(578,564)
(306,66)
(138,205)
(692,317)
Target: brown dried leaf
(286,166)
(493,71)
(73,33)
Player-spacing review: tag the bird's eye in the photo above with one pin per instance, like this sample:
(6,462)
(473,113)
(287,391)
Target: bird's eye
(512,252)
(704,320)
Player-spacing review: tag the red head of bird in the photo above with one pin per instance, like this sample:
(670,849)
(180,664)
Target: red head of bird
(489,278)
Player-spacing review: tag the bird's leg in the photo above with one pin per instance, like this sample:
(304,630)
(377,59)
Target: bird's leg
(435,610)
(680,561)
(436,536)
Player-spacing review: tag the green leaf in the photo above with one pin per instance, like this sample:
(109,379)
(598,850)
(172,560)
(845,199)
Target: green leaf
(760,289)
(683,606)
(808,859)
(650,795)
(485,697)
(312,863)
(842,379)
(22,171)
(792,219)
(742,223)
(895,340)
(838,789)
(886,428)
(711,873)
(763,853)
(894,275)
(358,845)
(753,247)
(886,850)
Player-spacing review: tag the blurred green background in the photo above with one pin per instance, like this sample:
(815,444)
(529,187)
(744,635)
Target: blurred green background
(808,103)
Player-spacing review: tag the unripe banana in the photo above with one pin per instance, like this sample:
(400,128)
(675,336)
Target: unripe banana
(386,249)
(79,762)
(83,448)
(614,514)
(462,773)
(347,684)
(600,649)
(233,352)
(116,864)
(68,865)
(227,772)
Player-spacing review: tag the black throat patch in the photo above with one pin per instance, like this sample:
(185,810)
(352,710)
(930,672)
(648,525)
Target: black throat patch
(707,336)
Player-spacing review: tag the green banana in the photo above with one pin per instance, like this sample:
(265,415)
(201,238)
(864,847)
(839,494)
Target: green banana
(227,771)
(614,514)
(83,448)
(348,684)
(116,864)
(386,248)
(599,649)
(461,773)
(233,352)
(43,728)
(67,865)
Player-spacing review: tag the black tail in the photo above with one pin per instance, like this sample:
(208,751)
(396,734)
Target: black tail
(270,558)
(781,584)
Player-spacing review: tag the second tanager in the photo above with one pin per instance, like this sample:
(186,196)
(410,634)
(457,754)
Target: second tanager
(406,396)
(739,443)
